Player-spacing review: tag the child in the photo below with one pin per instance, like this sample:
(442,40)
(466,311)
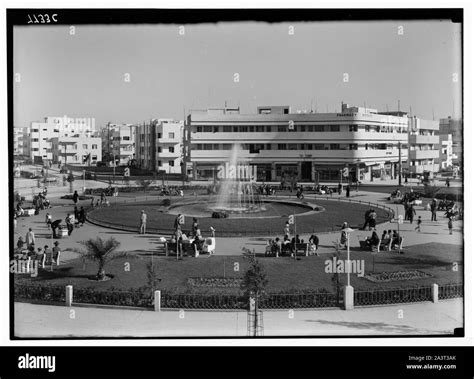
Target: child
(450,225)
(418,224)
(49,220)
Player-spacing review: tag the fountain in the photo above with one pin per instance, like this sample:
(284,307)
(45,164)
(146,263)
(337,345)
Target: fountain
(237,192)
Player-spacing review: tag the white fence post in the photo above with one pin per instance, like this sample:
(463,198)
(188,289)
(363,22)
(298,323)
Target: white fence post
(435,292)
(68,296)
(157,300)
(348,297)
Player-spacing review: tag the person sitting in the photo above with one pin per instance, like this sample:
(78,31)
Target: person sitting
(396,238)
(373,241)
(19,210)
(314,240)
(20,243)
(296,240)
(287,245)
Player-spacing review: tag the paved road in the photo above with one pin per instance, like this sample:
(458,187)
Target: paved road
(398,320)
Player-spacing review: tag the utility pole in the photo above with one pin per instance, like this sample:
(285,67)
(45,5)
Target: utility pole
(399,163)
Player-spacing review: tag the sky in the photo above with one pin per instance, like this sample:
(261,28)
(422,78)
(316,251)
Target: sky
(83,72)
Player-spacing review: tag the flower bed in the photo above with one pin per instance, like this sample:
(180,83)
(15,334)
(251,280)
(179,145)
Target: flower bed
(215,282)
(396,276)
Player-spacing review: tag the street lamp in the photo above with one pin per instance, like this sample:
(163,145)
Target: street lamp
(348,290)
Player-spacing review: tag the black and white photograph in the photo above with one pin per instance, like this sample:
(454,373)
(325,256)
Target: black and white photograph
(231,174)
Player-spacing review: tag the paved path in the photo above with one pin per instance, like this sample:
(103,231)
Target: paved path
(398,320)
(133,242)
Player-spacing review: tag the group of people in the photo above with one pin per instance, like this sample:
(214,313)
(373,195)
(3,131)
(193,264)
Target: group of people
(373,241)
(266,190)
(195,236)
(26,249)
(279,246)
(100,201)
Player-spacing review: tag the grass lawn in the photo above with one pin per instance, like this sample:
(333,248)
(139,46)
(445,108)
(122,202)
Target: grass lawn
(126,216)
(284,273)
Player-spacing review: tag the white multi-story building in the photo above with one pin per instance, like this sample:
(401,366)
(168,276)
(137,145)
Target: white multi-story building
(21,141)
(160,146)
(78,149)
(451,141)
(423,139)
(42,134)
(306,146)
(118,140)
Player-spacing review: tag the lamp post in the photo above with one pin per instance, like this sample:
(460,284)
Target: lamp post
(348,289)
(114,167)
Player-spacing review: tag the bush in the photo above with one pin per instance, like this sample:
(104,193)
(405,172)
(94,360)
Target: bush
(166,202)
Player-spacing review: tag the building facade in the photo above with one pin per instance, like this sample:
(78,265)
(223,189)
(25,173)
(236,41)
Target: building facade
(310,147)
(21,141)
(423,139)
(451,142)
(160,146)
(43,133)
(118,140)
(78,149)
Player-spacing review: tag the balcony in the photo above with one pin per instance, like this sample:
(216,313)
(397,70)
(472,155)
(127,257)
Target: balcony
(167,154)
(428,140)
(424,154)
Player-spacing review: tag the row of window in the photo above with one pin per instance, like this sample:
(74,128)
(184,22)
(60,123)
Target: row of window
(298,128)
(159,149)
(255,148)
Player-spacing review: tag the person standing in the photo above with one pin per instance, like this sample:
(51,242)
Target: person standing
(348,191)
(82,216)
(411,213)
(447,182)
(339,188)
(418,225)
(30,238)
(48,220)
(69,224)
(450,225)
(143,218)
(56,252)
(433,208)
(75,197)
(195,225)
(287,229)
(343,239)
(76,212)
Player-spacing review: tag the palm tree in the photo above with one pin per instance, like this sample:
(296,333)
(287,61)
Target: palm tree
(100,251)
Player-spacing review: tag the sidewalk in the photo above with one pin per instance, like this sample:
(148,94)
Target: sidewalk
(419,319)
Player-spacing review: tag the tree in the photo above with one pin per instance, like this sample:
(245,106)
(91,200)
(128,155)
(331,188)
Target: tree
(70,179)
(144,183)
(253,284)
(430,190)
(100,251)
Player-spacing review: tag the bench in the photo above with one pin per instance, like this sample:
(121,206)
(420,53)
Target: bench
(50,259)
(185,248)
(385,244)
(300,247)
(399,244)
